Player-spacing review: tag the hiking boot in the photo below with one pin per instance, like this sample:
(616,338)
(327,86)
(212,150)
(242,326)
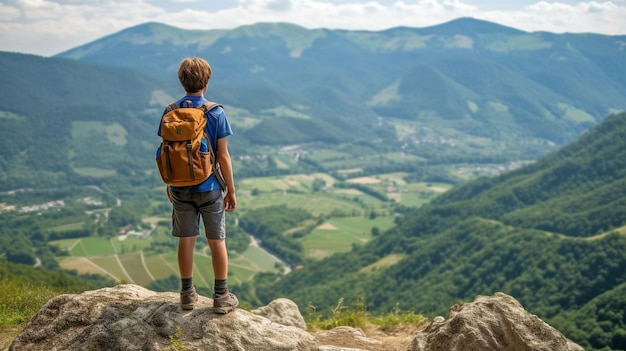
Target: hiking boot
(224,303)
(188,298)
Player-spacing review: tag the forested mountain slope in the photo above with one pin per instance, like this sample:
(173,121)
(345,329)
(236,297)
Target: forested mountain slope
(61,116)
(551,234)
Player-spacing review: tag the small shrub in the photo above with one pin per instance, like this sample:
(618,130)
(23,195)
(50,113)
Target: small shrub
(398,318)
(176,340)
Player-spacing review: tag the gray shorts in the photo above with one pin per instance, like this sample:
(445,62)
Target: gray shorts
(188,207)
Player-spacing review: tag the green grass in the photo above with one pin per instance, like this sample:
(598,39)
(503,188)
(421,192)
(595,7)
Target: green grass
(95,172)
(257,258)
(383,263)
(358,317)
(339,234)
(19,302)
(129,244)
(67,227)
(575,115)
(329,156)
(506,43)
(65,244)
(133,264)
(111,265)
(294,182)
(316,204)
(96,246)
(79,250)
(114,132)
(238,275)
(159,268)
(356,225)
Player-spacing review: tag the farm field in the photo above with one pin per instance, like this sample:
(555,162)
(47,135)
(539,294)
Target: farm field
(339,234)
(296,191)
(94,255)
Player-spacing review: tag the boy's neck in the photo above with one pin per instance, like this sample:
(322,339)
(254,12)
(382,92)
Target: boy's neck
(197,93)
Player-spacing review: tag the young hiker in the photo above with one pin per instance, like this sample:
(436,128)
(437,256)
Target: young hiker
(208,199)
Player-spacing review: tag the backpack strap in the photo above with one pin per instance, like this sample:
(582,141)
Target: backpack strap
(170,107)
(208,106)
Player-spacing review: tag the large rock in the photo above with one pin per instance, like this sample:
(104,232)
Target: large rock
(497,322)
(129,317)
(282,311)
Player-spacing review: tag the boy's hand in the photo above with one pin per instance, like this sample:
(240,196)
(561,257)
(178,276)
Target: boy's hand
(230,202)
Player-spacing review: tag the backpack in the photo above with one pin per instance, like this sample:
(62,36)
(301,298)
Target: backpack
(185,156)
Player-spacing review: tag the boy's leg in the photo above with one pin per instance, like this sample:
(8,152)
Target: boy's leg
(213,215)
(223,300)
(219,257)
(186,247)
(188,295)
(185,218)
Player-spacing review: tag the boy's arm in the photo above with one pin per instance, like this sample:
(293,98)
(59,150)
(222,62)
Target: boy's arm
(226,166)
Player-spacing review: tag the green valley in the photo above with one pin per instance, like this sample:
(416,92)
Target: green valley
(411,168)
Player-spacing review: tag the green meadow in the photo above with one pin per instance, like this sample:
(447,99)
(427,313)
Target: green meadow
(339,234)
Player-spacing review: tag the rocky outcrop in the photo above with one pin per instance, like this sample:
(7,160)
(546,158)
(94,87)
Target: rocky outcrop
(497,322)
(129,318)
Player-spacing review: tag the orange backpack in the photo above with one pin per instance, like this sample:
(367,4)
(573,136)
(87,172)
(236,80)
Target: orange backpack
(185,157)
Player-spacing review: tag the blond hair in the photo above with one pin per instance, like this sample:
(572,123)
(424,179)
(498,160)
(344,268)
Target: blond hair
(194,74)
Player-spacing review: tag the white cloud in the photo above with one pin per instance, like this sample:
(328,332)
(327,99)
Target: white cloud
(8,13)
(598,17)
(48,26)
(324,14)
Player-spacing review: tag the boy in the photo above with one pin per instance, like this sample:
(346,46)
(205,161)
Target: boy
(207,199)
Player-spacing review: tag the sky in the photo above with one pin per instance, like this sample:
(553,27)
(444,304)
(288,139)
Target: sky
(48,27)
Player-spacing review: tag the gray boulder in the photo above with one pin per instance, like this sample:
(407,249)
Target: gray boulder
(282,311)
(497,322)
(129,317)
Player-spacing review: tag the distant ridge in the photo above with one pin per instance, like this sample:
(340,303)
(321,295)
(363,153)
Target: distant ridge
(469,25)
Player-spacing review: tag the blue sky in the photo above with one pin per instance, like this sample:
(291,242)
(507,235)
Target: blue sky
(47,27)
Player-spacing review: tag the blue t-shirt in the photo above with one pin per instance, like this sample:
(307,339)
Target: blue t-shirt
(217,125)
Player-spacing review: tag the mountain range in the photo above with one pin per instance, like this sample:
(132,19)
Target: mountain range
(496,93)
(472,76)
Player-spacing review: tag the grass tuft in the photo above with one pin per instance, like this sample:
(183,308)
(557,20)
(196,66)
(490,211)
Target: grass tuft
(20,301)
(359,318)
